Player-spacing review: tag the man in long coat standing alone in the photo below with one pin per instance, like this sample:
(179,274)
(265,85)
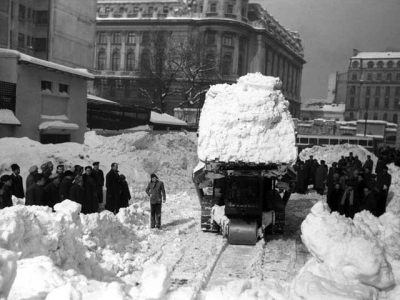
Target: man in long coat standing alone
(113,186)
(155,189)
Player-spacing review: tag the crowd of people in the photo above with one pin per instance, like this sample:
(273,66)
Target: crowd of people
(349,184)
(83,185)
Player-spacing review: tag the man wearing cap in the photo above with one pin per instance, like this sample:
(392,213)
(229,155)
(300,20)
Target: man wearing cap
(99,176)
(155,189)
(30,180)
(17,185)
(35,193)
(66,184)
(52,191)
(113,185)
(5,191)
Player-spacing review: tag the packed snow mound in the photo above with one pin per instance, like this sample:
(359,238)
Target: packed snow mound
(394,190)
(352,259)
(248,121)
(171,156)
(333,153)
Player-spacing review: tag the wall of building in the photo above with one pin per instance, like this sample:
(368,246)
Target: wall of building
(4,23)
(373,88)
(252,41)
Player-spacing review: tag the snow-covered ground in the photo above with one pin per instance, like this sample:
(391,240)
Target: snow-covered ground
(67,255)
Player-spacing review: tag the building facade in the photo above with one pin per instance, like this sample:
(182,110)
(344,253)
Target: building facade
(373,86)
(241,36)
(41,100)
(55,30)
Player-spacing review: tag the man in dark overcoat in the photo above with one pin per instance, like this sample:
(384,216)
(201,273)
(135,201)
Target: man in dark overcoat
(5,191)
(17,185)
(66,184)
(35,193)
(30,180)
(155,189)
(99,176)
(52,191)
(369,202)
(113,185)
(76,192)
(320,177)
(91,202)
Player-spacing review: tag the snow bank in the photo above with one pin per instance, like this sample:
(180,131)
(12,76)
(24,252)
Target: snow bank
(352,259)
(248,121)
(333,153)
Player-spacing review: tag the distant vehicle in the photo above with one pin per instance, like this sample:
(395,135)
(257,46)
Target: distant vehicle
(308,141)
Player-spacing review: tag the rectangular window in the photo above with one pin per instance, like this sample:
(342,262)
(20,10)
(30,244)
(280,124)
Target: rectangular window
(352,102)
(376,102)
(42,17)
(21,40)
(21,12)
(8,92)
(28,41)
(211,38)
(368,91)
(397,76)
(130,38)
(28,16)
(102,38)
(229,9)
(378,91)
(117,38)
(146,38)
(369,76)
(387,91)
(379,76)
(397,91)
(63,88)
(46,85)
(396,103)
(40,44)
(228,40)
(367,102)
(354,76)
(121,10)
(386,102)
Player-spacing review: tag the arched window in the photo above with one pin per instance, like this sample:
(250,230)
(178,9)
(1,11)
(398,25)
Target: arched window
(390,64)
(352,90)
(365,116)
(115,59)
(389,76)
(226,64)
(351,116)
(380,64)
(145,61)
(385,116)
(395,118)
(130,61)
(101,60)
(355,64)
(375,116)
(213,7)
(370,65)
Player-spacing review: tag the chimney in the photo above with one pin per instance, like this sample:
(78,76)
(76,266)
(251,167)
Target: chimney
(355,52)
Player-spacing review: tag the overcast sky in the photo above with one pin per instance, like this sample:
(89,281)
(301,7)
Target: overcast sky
(330,29)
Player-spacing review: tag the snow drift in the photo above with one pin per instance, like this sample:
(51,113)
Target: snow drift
(248,121)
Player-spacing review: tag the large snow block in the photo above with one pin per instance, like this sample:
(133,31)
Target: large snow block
(248,121)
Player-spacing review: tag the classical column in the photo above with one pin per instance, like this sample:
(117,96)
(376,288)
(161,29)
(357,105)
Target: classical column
(108,50)
(259,59)
(123,51)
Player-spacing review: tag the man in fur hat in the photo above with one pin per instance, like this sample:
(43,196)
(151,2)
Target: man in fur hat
(30,180)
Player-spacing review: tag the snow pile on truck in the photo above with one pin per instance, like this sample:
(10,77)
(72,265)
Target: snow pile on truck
(247,122)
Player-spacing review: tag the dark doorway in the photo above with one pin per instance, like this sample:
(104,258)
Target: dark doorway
(55,138)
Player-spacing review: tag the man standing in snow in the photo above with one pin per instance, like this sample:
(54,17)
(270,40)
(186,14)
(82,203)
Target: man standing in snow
(369,163)
(30,180)
(65,185)
(35,193)
(90,203)
(60,172)
(113,186)
(52,191)
(5,191)
(320,177)
(155,189)
(125,194)
(383,184)
(99,176)
(76,192)
(47,169)
(17,185)
(369,202)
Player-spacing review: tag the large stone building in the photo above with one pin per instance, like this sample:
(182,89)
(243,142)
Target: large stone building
(241,36)
(59,31)
(373,86)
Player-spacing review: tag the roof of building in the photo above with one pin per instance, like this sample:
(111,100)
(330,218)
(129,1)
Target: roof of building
(157,118)
(7,117)
(44,63)
(96,98)
(377,55)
